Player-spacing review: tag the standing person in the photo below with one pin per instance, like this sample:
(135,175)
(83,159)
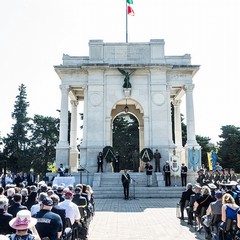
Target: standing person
(184,170)
(61,170)
(232,175)
(135,159)
(116,162)
(31,178)
(126,179)
(200,178)
(149,170)
(166,170)
(100,161)
(157,156)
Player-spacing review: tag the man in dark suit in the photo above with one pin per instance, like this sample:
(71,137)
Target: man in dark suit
(185,199)
(5,217)
(125,182)
(17,206)
(31,178)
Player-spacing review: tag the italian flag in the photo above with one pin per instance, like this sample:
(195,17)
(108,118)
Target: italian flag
(129,8)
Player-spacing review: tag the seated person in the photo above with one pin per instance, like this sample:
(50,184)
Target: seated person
(22,223)
(202,204)
(215,211)
(197,193)
(229,212)
(184,201)
(5,217)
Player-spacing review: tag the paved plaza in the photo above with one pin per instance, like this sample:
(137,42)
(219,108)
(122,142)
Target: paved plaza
(139,219)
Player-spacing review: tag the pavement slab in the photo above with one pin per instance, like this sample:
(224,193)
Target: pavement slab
(139,219)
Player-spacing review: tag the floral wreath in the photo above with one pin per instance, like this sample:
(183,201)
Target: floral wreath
(146,154)
(108,153)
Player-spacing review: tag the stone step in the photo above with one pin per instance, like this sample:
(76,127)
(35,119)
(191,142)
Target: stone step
(140,192)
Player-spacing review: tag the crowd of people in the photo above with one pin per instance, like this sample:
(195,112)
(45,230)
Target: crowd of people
(45,211)
(212,204)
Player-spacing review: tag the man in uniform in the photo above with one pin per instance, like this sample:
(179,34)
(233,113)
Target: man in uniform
(200,178)
(116,162)
(135,159)
(166,170)
(61,170)
(100,161)
(49,224)
(157,157)
(184,170)
(125,182)
(149,169)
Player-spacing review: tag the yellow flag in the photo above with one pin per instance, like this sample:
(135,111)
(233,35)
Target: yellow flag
(209,160)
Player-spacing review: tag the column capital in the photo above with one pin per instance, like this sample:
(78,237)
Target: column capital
(188,87)
(64,87)
(176,102)
(74,102)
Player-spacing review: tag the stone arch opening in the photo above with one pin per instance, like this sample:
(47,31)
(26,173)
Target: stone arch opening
(133,137)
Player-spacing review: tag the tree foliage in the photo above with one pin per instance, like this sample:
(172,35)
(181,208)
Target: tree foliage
(229,147)
(44,137)
(31,144)
(125,138)
(17,142)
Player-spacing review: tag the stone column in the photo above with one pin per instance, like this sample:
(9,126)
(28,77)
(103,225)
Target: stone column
(73,162)
(62,148)
(83,147)
(141,146)
(170,140)
(177,123)
(108,132)
(191,137)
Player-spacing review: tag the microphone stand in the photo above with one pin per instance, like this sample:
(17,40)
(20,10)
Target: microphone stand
(82,169)
(134,182)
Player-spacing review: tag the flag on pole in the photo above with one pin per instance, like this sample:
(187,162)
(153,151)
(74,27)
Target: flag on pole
(214,160)
(129,8)
(209,155)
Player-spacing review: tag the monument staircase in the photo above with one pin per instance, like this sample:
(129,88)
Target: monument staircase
(109,185)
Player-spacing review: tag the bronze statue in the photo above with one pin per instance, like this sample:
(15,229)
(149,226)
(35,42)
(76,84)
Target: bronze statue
(127,83)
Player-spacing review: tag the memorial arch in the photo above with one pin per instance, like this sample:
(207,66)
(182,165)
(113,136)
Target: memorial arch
(113,74)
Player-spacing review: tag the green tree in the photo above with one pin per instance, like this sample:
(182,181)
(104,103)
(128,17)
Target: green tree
(229,147)
(44,137)
(16,143)
(125,138)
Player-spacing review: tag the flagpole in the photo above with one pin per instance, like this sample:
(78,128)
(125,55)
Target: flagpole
(126,23)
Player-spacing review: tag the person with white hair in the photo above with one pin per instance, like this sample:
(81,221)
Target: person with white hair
(5,217)
(185,199)
(10,194)
(36,207)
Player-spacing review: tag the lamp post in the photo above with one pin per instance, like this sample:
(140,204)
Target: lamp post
(126,108)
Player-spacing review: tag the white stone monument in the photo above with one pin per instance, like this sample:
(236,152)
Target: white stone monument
(156,82)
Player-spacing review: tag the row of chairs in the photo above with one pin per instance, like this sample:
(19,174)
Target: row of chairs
(228,230)
(79,230)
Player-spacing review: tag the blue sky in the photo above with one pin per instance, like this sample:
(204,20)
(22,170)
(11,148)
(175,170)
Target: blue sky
(35,34)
